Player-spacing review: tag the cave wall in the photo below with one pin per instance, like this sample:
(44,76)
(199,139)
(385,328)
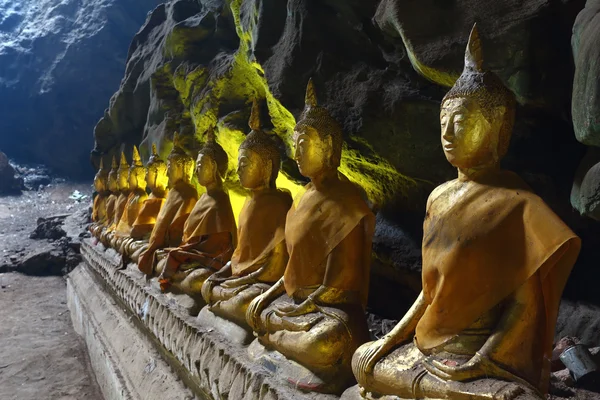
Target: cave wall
(60,60)
(381,67)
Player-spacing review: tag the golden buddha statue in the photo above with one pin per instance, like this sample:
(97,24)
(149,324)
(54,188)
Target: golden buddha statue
(120,202)
(495,261)
(314,315)
(157,181)
(260,257)
(209,234)
(100,231)
(99,205)
(137,196)
(168,229)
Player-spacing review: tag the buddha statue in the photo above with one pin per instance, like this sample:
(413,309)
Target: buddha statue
(314,315)
(495,261)
(137,196)
(182,196)
(99,205)
(157,181)
(100,231)
(120,202)
(260,257)
(209,234)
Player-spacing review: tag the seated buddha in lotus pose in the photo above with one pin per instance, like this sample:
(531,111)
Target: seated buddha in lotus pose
(260,257)
(209,234)
(99,206)
(168,229)
(495,261)
(314,315)
(120,202)
(137,196)
(113,187)
(156,180)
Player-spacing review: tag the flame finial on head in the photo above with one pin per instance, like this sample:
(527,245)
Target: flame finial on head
(154,152)
(124,163)
(101,168)
(212,149)
(474,53)
(136,161)
(310,99)
(114,166)
(210,135)
(254,121)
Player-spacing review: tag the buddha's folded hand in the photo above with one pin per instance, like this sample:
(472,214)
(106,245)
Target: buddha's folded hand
(477,367)
(293,310)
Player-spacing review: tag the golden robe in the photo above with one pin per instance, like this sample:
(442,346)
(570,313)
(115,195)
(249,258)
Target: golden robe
(110,209)
(483,240)
(209,235)
(99,208)
(261,229)
(132,208)
(316,224)
(146,218)
(120,205)
(168,230)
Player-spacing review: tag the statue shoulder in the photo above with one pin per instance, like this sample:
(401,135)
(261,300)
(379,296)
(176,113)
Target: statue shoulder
(438,191)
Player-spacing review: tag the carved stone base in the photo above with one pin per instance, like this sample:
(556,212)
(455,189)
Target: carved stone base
(209,365)
(294,373)
(230,330)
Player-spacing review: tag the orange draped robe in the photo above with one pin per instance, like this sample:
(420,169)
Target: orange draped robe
(132,209)
(120,204)
(316,224)
(168,230)
(209,235)
(482,241)
(146,218)
(261,229)
(110,209)
(99,208)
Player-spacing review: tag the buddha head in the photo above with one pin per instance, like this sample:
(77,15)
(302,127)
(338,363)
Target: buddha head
(156,172)
(477,114)
(211,164)
(317,138)
(137,172)
(123,174)
(101,179)
(180,166)
(259,157)
(113,181)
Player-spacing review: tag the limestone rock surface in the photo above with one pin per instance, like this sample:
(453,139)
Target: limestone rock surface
(60,60)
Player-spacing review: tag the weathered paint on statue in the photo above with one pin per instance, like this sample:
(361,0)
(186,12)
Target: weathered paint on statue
(156,181)
(260,257)
(168,230)
(209,234)
(495,261)
(314,315)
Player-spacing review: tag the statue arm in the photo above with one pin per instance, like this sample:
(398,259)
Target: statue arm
(517,317)
(257,305)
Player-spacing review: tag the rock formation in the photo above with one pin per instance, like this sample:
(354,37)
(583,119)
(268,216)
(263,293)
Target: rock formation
(59,62)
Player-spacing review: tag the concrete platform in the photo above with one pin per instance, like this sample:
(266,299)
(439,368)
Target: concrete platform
(143,345)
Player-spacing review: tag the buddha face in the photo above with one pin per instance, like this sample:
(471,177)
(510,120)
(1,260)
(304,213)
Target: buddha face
(312,153)
(206,169)
(113,183)
(469,140)
(176,172)
(137,178)
(251,169)
(123,180)
(99,184)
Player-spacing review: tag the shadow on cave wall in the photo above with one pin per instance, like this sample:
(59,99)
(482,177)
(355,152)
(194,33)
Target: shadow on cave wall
(382,69)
